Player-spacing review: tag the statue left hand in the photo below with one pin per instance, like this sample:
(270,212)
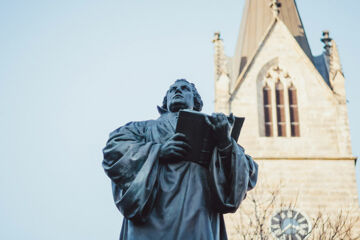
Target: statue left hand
(221,127)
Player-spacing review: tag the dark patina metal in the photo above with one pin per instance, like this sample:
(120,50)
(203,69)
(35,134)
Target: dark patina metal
(164,197)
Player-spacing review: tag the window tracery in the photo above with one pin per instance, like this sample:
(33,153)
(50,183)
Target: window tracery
(280,104)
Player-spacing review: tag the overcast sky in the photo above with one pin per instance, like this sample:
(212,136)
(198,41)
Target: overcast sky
(72,71)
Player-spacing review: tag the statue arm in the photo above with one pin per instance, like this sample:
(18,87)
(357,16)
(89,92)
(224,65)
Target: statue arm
(131,163)
(232,174)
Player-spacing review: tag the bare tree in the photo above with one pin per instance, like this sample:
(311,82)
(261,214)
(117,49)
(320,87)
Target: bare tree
(341,226)
(253,220)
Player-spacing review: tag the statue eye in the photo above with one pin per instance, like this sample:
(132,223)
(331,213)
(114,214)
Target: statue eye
(185,88)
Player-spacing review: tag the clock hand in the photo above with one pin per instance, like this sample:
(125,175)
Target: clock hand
(286,228)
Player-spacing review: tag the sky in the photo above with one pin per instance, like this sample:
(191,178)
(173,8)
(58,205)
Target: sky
(73,71)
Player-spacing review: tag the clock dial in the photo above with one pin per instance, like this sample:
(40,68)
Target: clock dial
(289,224)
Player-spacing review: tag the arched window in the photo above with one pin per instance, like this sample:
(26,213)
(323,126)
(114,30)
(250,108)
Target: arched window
(280,110)
(293,109)
(279,114)
(267,111)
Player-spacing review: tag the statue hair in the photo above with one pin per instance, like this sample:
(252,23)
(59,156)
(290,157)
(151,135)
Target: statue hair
(198,103)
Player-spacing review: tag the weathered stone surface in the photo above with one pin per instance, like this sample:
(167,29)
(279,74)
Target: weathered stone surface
(317,169)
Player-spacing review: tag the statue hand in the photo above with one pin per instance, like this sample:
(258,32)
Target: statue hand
(175,148)
(221,127)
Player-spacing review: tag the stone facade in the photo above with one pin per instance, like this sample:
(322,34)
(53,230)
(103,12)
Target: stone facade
(311,186)
(315,169)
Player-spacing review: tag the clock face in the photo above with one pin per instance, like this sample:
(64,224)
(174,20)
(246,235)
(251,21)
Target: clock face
(289,224)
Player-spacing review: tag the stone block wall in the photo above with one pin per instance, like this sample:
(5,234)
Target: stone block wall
(310,186)
(314,172)
(321,131)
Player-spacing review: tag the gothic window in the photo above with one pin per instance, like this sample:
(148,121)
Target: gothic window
(280,109)
(267,111)
(280,104)
(293,109)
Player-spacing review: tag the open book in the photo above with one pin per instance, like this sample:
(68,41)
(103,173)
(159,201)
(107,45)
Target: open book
(199,134)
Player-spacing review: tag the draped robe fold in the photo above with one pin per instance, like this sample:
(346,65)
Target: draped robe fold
(177,200)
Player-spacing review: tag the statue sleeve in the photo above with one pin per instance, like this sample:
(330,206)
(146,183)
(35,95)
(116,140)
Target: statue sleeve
(232,174)
(132,165)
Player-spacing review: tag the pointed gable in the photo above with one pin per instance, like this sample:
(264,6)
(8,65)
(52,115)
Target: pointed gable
(257,19)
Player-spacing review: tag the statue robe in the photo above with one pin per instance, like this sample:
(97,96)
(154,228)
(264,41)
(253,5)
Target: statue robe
(177,200)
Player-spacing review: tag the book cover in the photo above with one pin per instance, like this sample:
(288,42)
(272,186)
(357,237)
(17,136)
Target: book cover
(199,134)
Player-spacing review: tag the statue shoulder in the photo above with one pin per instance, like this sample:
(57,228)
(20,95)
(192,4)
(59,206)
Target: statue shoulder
(134,127)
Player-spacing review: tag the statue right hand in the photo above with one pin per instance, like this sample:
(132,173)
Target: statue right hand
(176,148)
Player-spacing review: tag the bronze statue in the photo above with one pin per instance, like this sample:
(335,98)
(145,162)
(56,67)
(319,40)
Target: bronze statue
(161,195)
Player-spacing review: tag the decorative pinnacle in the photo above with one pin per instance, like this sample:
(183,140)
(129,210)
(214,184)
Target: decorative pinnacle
(275,6)
(326,40)
(216,37)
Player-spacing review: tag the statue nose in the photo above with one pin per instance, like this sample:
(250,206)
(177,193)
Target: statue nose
(178,90)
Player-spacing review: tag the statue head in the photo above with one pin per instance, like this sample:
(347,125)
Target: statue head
(182,95)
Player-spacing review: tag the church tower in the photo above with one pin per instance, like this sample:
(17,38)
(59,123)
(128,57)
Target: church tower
(296,124)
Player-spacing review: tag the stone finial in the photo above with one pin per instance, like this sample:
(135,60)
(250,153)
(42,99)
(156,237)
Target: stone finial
(216,37)
(326,40)
(335,67)
(335,63)
(275,6)
(220,58)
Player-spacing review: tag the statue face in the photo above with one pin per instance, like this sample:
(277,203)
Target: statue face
(180,96)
